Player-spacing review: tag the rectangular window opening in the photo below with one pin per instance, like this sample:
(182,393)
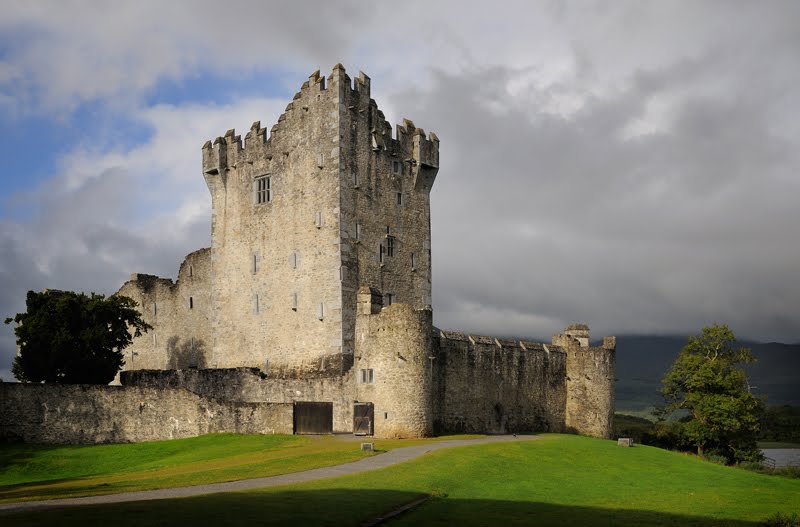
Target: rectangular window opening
(380,253)
(399,198)
(263,189)
(390,244)
(388,299)
(413,261)
(367,376)
(191,303)
(255,263)
(256,305)
(191,271)
(397,167)
(318,220)
(321,311)
(358,231)
(294,301)
(355,179)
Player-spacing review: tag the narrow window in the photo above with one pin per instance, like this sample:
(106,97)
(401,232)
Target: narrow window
(263,189)
(155,309)
(256,305)
(367,376)
(294,301)
(388,299)
(320,160)
(358,231)
(266,367)
(413,262)
(255,263)
(399,198)
(191,303)
(355,179)
(191,271)
(380,253)
(396,167)
(191,343)
(155,341)
(321,311)
(390,243)
(318,220)
(386,415)
(293,260)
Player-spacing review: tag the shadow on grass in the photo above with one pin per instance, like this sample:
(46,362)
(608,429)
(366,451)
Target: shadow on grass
(337,507)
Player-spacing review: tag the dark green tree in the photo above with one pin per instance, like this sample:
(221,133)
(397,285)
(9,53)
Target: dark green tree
(707,380)
(71,338)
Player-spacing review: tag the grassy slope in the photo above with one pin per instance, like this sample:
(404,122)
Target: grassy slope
(39,472)
(559,480)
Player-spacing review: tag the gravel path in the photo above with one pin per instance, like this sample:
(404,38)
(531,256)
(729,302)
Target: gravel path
(392,457)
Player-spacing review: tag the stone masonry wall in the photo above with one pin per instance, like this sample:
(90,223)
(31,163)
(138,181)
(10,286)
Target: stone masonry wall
(277,285)
(76,414)
(490,385)
(179,313)
(249,385)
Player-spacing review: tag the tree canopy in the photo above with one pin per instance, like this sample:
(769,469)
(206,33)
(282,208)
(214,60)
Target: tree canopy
(707,381)
(71,338)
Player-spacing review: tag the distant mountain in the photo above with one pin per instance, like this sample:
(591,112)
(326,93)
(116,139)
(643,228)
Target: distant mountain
(642,362)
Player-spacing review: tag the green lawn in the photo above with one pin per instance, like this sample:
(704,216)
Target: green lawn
(558,480)
(30,472)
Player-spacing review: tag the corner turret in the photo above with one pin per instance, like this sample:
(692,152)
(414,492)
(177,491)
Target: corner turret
(590,381)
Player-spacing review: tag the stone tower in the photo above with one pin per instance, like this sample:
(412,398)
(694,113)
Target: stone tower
(590,381)
(327,202)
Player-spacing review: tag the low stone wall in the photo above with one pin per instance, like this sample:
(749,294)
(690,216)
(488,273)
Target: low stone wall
(248,385)
(76,414)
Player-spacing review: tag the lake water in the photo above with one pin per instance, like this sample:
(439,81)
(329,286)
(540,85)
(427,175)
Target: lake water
(783,456)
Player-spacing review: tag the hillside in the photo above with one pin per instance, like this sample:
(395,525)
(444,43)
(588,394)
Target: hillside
(643,360)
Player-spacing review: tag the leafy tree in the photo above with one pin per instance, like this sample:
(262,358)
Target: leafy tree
(707,381)
(71,338)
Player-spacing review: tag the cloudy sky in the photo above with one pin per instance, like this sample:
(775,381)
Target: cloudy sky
(632,165)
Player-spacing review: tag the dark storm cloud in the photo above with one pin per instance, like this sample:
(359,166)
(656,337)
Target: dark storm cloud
(541,218)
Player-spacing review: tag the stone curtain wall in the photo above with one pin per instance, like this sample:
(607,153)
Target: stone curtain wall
(249,385)
(78,414)
(489,385)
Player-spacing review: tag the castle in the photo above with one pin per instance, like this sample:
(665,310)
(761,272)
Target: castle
(314,299)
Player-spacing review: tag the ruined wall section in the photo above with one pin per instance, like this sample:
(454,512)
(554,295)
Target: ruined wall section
(179,313)
(276,296)
(80,414)
(385,202)
(393,347)
(590,382)
(491,385)
(250,385)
